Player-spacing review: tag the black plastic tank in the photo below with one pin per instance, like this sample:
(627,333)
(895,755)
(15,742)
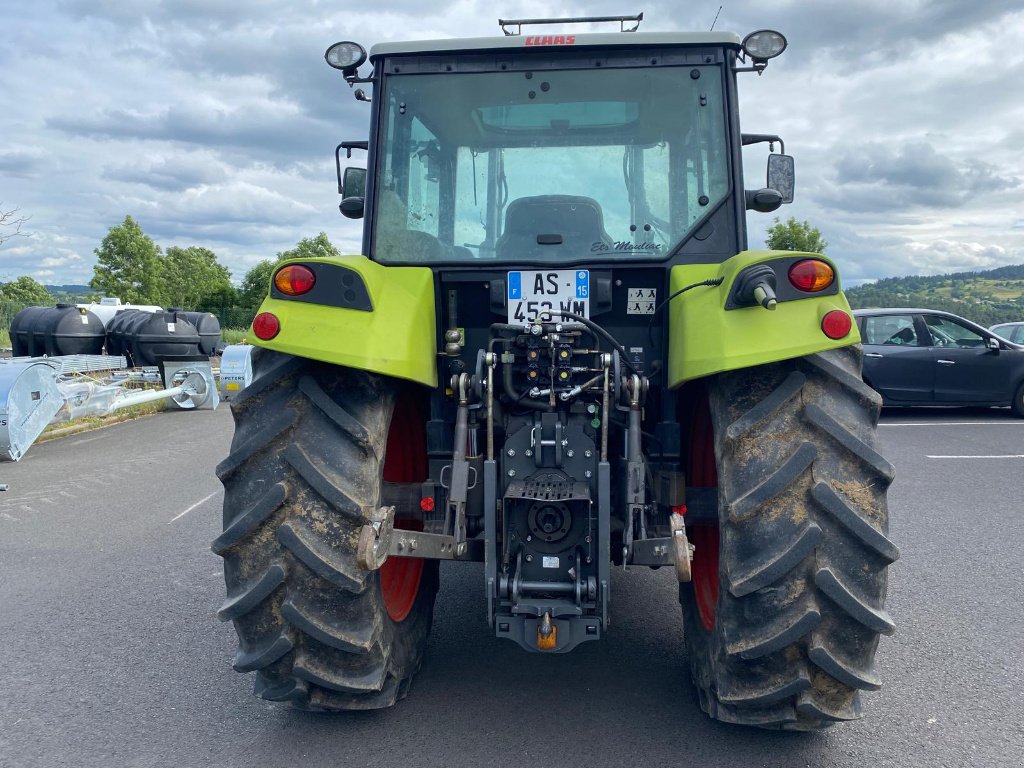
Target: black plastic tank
(208,326)
(61,330)
(118,330)
(146,338)
(73,331)
(22,340)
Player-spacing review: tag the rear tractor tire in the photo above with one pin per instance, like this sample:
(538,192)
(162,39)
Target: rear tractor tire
(312,446)
(783,616)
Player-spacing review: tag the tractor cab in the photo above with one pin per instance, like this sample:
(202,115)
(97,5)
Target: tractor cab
(554,149)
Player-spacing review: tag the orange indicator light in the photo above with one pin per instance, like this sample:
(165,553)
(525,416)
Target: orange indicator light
(811,275)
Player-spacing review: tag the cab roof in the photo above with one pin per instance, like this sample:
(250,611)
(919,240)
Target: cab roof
(562,40)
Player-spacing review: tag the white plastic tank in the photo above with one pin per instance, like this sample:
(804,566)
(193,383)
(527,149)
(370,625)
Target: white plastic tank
(108,307)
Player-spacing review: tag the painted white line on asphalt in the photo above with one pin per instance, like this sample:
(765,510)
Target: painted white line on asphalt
(83,442)
(194,506)
(994,456)
(951,423)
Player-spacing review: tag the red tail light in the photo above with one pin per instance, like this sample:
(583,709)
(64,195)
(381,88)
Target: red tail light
(294,280)
(836,324)
(266,326)
(811,275)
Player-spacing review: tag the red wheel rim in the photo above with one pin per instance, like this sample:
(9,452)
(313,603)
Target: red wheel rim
(704,474)
(405,461)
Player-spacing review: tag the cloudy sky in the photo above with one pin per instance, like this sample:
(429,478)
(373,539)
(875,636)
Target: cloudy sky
(213,123)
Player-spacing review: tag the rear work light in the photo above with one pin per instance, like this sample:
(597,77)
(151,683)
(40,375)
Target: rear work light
(764,44)
(294,280)
(266,326)
(836,324)
(811,275)
(346,56)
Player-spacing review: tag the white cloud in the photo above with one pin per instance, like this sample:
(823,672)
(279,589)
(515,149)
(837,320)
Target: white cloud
(59,261)
(940,256)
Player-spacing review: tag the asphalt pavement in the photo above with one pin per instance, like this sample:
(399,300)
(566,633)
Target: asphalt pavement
(112,654)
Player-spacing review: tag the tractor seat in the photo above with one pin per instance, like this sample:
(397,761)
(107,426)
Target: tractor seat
(551,225)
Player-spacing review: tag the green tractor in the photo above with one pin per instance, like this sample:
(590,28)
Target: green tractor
(557,357)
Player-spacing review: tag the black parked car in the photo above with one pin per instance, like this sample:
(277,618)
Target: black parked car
(928,357)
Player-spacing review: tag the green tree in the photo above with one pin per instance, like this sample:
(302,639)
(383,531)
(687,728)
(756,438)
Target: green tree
(25,290)
(224,296)
(311,248)
(793,235)
(192,276)
(128,265)
(255,284)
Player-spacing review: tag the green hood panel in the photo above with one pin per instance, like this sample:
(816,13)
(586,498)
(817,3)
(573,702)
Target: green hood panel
(397,338)
(705,339)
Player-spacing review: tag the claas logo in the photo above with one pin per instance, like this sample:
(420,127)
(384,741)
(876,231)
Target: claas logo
(551,39)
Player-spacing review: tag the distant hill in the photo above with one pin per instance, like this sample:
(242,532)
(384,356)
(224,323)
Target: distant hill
(71,293)
(986,297)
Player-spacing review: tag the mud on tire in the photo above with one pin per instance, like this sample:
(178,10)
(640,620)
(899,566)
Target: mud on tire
(802,548)
(304,472)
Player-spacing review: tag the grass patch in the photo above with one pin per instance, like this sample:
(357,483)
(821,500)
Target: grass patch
(234,335)
(5,338)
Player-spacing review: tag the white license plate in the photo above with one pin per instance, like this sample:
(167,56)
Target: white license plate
(531,293)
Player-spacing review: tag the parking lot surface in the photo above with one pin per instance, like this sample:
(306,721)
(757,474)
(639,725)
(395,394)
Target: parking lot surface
(113,655)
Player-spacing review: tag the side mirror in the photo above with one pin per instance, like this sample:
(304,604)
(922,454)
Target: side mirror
(351,207)
(782,175)
(992,344)
(353,183)
(353,191)
(763,200)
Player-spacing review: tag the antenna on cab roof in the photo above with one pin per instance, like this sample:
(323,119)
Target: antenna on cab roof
(505,24)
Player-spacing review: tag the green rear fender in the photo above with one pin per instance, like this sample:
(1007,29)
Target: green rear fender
(395,338)
(704,338)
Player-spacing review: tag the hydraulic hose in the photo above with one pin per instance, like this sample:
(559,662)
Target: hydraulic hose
(516,397)
(598,330)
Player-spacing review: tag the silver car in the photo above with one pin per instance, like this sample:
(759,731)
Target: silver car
(1009,331)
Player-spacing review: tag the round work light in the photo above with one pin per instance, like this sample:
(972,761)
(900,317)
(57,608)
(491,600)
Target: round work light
(345,55)
(764,44)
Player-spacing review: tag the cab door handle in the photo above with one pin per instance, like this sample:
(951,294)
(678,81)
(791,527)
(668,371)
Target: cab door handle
(872,354)
(946,362)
